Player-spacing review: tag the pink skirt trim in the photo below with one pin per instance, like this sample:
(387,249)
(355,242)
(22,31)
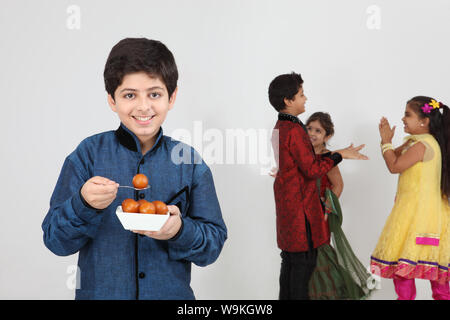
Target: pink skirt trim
(408,269)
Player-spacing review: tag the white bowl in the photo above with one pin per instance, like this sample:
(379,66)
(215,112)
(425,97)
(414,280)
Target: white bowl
(141,221)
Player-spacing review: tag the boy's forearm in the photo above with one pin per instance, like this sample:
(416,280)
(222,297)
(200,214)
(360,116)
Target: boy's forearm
(309,164)
(69,223)
(204,232)
(198,242)
(316,169)
(65,233)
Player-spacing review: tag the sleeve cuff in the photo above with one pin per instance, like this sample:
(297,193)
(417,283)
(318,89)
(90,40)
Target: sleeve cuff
(177,235)
(87,205)
(336,157)
(83,210)
(186,235)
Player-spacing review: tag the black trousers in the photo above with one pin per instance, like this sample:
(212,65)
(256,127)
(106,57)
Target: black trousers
(296,271)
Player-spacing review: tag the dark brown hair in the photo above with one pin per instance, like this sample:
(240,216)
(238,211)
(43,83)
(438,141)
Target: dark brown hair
(324,120)
(284,86)
(132,55)
(440,130)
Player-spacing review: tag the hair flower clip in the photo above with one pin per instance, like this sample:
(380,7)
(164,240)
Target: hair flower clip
(426,108)
(434,104)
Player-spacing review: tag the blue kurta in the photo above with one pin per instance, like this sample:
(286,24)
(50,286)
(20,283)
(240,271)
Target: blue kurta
(115,263)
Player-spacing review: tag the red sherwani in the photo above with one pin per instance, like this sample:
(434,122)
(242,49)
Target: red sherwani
(295,188)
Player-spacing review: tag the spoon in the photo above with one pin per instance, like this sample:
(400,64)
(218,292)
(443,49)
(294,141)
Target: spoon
(139,189)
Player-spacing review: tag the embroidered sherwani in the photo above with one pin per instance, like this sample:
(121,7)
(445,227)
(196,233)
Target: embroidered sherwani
(296,194)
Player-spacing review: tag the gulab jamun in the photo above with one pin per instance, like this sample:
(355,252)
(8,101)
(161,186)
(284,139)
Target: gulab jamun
(161,207)
(130,205)
(140,181)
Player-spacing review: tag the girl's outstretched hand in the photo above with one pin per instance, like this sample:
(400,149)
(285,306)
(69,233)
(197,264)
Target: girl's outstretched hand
(352,152)
(386,132)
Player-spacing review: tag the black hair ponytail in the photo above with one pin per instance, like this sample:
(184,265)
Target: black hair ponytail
(440,130)
(445,180)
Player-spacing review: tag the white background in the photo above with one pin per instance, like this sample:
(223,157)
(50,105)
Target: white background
(227,52)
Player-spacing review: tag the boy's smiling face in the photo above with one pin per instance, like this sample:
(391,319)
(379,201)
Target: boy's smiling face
(296,106)
(142,103)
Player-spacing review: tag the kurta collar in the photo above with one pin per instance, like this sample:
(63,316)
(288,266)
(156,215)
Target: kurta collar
(289,117)
(129,140)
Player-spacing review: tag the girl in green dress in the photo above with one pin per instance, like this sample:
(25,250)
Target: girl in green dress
(339,274)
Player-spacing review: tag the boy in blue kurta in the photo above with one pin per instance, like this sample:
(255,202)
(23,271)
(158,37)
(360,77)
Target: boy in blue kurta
(114,263)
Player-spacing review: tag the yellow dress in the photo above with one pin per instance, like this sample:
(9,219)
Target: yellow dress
(415,240)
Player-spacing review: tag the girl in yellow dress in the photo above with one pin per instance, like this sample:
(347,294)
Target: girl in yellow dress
(415,241)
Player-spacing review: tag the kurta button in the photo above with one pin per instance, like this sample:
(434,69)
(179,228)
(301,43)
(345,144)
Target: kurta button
(141,275)
(142,196)
(142,161)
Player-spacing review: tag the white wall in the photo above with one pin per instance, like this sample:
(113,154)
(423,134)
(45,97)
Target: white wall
(358,64)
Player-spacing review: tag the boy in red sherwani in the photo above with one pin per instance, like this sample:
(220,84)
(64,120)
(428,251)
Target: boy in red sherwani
(301,227)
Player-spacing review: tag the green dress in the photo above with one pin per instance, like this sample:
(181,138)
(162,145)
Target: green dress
(339,275)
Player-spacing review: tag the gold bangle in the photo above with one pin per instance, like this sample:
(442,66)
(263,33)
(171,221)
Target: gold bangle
(385,147)
(388,148)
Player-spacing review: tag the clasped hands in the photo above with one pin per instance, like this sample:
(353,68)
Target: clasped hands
(386,132)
